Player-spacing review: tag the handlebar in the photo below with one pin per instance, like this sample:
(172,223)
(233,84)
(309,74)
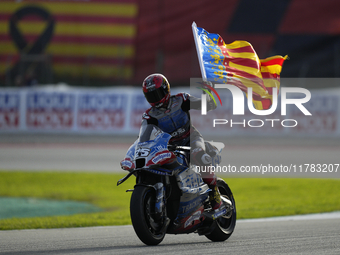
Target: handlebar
(176,147)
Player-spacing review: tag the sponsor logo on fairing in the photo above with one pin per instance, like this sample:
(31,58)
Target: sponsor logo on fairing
(188,206)
(192,218)
(161,157)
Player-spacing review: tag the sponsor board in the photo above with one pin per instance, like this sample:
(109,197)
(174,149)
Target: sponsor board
(50,110)
(119,111)
(9,110)
(138,107)
(325,110)
(101,111)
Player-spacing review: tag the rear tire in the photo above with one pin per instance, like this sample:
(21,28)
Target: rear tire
(142,211)
(224,226)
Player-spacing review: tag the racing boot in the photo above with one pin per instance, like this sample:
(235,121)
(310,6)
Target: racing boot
(215,198)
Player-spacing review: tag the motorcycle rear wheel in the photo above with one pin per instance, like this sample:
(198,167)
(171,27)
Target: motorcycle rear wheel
(224,226)
(142,211)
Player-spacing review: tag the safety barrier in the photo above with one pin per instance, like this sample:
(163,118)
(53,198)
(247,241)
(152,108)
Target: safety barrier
(118,110)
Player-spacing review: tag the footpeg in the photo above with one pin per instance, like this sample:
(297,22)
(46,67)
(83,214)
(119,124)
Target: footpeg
(213,215)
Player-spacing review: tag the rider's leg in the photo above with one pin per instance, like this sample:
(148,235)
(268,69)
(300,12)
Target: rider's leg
(200,158)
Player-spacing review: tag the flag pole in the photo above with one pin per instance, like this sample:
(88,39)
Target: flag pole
(200,60)
(198,49)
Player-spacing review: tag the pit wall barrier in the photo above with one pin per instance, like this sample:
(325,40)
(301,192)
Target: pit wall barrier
(118,110)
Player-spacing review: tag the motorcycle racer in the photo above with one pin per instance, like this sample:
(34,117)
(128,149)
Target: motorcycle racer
(171,114)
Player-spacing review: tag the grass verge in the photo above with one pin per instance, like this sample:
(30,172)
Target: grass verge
(254,197)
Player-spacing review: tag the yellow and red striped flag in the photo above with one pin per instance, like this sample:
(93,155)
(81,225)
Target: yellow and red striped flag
(238,64)
(94,37)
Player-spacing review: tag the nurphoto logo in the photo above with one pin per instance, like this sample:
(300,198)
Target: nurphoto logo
(238,105)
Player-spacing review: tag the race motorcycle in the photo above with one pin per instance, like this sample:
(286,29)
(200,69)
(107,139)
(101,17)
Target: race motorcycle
(170,195)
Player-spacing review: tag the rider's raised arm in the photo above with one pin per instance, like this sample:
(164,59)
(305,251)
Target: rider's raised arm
(191,102)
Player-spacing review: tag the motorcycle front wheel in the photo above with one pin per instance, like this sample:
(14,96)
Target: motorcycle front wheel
(142,211)
(224,226)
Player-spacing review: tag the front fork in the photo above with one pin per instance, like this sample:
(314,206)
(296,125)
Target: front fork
(159,187)
(160,197)
(160,210)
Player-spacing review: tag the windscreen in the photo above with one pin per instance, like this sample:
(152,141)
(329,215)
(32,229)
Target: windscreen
(149,132)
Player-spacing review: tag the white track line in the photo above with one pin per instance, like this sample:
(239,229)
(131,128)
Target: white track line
(316,216)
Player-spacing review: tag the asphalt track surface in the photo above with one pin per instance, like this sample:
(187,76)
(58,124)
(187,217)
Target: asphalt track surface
(289,156)
(283,236)
(319,235)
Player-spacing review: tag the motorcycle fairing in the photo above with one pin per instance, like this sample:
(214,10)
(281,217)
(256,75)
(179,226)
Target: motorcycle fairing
(159,171)
(151,148)
(194,193)
(155,152)
(128,163)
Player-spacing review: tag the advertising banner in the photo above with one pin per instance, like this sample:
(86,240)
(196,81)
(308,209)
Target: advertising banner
(9,110)
(101,111)
(119,111)
(138,107)
(325,112)
(49,111)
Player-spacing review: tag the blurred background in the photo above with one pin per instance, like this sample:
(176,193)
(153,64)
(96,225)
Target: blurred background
(77,66)
(71,74)
(119,42)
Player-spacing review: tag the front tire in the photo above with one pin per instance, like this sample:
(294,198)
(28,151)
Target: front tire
(224,226)
(142,211)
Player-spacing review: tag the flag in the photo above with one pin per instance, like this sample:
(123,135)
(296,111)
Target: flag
(96,38)
(238,64)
